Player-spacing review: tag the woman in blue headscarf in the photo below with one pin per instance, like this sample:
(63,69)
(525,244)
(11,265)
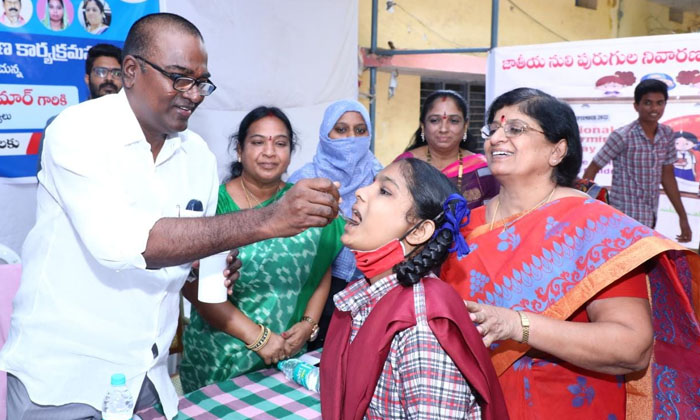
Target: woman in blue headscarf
(342,155)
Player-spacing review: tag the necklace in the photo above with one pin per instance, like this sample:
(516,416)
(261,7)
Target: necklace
(506,225)
(249,195)
(428,158)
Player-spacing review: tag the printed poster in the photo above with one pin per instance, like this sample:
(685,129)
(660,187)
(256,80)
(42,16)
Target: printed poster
(43,47)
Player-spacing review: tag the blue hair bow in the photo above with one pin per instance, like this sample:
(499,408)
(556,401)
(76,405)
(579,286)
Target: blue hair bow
(453,219)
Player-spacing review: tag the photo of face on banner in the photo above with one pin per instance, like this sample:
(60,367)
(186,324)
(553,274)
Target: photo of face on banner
(611,85)
(16,13)
(56,15)
(95,16)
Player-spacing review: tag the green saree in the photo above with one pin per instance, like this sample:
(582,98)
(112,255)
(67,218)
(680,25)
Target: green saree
(277,280)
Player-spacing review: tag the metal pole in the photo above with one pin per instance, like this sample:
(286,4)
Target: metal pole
(384,52)
(373,44)
(372,104)
(373,76)
(494,23)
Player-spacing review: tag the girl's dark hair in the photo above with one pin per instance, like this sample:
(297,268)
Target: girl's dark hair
(417,139)
(557,120)
(237,140)
(429,188)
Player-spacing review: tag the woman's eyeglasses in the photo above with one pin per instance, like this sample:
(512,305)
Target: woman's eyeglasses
(511,129)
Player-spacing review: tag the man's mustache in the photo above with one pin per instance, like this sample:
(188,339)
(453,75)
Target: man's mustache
(109,84)
(14,9)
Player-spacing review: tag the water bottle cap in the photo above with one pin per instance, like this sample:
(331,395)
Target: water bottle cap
(118,379)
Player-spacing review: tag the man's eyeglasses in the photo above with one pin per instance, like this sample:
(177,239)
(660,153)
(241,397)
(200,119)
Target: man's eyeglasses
(184,83)
(104,71)
(512,128)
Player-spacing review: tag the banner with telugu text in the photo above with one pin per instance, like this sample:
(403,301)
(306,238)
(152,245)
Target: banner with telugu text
(43,47)
(597,78)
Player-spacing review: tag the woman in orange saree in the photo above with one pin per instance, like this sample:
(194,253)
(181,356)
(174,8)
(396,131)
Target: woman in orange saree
(558,283)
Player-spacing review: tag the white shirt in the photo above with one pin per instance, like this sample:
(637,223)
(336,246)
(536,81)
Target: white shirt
(87,307)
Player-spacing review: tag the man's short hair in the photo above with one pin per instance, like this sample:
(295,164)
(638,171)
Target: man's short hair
(649,86)
(139,40)
(102,50)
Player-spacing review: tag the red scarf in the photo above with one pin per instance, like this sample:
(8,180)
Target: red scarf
(346,396)
(382,259)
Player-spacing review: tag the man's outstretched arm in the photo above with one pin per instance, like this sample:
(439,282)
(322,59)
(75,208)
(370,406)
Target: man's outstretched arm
(175,241)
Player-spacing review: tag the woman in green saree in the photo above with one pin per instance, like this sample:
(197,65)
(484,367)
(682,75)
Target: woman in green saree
(284,282)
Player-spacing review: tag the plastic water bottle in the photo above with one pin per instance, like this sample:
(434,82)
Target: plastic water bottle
(301,372)
(118,403)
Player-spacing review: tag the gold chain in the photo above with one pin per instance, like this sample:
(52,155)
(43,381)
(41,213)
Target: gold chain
(249,195)
(506,225)
(428,158)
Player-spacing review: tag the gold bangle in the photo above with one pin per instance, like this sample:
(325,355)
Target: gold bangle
(525,324)
(263,341)
(257,340)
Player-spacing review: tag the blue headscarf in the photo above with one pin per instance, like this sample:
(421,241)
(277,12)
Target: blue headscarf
(348,161)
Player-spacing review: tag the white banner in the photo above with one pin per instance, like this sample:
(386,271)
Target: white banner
(299,56)
(597,78)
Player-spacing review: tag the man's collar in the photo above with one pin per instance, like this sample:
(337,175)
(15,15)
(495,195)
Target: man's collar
(130,129)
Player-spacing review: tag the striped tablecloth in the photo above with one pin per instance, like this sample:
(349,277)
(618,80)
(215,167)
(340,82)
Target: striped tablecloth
(265,394)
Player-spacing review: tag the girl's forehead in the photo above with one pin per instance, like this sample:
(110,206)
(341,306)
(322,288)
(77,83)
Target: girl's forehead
(393,174)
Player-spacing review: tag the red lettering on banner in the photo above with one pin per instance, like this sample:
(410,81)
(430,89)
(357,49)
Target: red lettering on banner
(587,60)
(26,98)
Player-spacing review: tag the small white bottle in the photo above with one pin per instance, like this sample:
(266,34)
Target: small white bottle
(118,403)
(301,372)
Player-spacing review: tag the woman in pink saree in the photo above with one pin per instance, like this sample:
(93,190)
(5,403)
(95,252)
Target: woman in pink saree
(442,140)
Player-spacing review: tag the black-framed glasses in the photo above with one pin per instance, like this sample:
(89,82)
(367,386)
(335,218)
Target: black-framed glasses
(183,83)
(104,71)
(512,128)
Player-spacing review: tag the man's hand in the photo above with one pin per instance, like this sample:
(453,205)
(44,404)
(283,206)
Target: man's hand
(309,203)
(233,264)
(686,234)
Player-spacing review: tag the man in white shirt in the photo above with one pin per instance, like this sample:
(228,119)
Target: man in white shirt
(108,255)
